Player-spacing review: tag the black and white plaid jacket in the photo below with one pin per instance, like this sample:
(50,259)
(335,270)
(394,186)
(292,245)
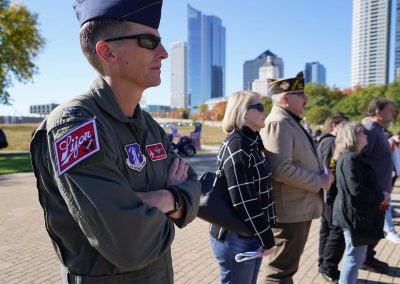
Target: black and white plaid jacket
(249,182)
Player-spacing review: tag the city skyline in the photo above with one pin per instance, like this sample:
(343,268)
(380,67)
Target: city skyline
(297,31)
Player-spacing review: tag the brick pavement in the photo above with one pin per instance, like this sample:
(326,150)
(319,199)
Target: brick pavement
(26,254)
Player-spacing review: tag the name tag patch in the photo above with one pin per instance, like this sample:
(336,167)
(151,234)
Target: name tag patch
(75,146)
(156,152)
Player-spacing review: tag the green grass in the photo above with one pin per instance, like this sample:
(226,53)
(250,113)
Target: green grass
(14,163)
(19,136)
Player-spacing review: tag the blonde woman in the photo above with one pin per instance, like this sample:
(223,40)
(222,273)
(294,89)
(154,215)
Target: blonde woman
(358,207)
(249,179)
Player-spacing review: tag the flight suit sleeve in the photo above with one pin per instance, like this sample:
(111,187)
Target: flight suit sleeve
(111,215)
(190,189)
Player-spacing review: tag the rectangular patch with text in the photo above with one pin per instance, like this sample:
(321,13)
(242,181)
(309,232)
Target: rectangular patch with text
(156,152)
(76,145)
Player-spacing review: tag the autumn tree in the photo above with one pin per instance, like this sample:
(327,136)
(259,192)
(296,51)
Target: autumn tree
(219,110)
(20,43)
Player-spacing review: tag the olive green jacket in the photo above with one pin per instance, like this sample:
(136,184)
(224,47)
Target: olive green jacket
(101,230)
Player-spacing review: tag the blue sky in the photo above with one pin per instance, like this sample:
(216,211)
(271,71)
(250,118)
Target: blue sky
(297,31)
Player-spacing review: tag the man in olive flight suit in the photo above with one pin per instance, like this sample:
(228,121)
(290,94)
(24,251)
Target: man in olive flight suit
(110,186)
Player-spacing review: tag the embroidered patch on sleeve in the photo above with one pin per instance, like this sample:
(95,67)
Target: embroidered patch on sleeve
(156,152)
(75,146)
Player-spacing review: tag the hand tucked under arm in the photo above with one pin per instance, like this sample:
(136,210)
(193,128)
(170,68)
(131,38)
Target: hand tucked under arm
(163,199)
(177,172)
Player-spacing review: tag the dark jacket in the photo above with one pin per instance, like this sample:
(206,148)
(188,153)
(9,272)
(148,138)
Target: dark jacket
(356,205)
(378,154)
(325,150)
(249,182)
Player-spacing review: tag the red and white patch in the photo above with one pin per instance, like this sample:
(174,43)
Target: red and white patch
(75,146)
(156,152)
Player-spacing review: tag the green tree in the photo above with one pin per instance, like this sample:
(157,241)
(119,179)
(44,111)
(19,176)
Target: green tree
(20,43)
(318,114)
(266,101)
(321,95)
(355,106)
(185,113)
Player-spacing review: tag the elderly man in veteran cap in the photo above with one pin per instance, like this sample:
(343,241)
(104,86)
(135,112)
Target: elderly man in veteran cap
(109,184)
(298,176)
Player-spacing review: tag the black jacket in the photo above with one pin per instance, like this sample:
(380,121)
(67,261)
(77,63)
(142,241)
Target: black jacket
(325,151)
(356,205)
(249,180)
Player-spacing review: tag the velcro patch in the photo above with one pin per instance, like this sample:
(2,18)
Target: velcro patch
(75,146)
(156,152)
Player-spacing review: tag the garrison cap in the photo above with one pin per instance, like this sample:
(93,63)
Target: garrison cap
(288,85)
(145,12)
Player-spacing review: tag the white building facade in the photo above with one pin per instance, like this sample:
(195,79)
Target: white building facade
(370,42)
(267,71)
(178,59)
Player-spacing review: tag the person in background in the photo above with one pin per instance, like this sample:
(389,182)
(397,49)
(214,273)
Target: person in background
(298,176)
(249,181)
(389,228)
(357,209)
(111,188)
(331,241)
(3,139)
(381,113)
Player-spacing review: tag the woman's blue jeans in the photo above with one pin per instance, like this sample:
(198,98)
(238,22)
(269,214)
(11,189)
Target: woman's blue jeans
(233,272)
(353,258)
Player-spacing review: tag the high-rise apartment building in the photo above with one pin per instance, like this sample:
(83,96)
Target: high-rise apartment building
(397,42)
(178,59)
(251,68)
(370,42)
(314,72)
(206,57)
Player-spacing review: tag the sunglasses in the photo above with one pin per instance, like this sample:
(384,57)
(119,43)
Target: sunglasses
(148,41)
(257,106)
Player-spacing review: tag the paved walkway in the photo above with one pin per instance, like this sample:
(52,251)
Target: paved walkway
(26,254)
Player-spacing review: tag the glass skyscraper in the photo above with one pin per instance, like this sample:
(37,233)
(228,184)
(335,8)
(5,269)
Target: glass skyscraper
(315,72)
(206,57)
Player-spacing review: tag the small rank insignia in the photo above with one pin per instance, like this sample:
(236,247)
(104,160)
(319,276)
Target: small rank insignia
(75,146)
(135,161)
(156,152)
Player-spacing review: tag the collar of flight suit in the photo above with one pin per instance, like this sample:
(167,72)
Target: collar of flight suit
(105,98)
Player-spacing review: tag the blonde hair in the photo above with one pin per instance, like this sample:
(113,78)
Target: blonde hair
(346,138)
(236,109)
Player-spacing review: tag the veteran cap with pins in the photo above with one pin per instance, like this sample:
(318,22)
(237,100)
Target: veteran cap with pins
(288,85)
(145,12)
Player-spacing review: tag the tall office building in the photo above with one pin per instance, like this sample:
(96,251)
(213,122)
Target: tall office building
(179,93)
(251,68)
(314,72)
(206,57)
(370,42)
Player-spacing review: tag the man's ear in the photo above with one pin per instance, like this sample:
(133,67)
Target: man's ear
(105,53)
(284,99)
